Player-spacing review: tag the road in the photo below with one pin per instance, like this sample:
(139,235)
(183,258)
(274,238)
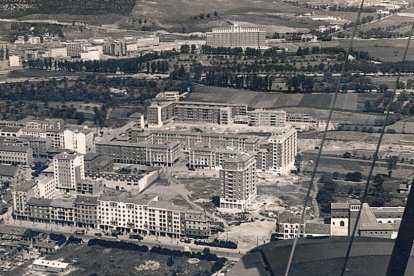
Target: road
(150,241)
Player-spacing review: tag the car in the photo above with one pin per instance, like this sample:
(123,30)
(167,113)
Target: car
(98,234)
(136,237)
(80,232)
(185,240)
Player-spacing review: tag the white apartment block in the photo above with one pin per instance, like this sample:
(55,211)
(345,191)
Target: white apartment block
(284,148)
(68,170)
(90,55)
(236,36)
(14,61)
(80,140)
(140,215)
(261,117)
(45,187)
(58,52)
(238,182)
(122,213)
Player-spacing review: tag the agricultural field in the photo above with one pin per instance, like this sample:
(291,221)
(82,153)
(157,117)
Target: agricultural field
(349,102)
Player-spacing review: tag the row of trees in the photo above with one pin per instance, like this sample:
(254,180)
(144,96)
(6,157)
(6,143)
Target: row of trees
(154,62)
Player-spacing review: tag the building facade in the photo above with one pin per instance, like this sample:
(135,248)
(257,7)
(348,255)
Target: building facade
(68,170)
(236,36)
(238,182)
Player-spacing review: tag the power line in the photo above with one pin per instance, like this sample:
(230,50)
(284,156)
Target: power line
(325,133)
(384,125)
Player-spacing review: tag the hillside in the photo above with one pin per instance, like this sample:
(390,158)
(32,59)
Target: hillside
(81,7)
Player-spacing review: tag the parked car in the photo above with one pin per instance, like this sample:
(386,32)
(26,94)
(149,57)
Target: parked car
(80,232)
(136,237)
(98,234)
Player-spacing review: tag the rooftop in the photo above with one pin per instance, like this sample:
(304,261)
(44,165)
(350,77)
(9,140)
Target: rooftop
(25,185)
(52,264)
(10,129)
(8,171)
(86,200)
(40,202)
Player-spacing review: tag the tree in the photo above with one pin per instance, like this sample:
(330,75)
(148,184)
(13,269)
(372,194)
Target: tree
(354,177)
(170,261)
(347,155)
(298,162)
(391,164)
(215,13)
(185,49)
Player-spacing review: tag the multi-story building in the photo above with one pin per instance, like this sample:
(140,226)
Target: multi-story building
(55,137)
(86,211)
(149,41)
(123,212)
(97,163)
(89,187)
(197,224)
(236,36)
(289,226)
(116,48)
(209,158)
(188,140)
(21,193)
(15,155)
(80,140)
(159,113)
(39,209)
(165,154)
(12,175)
(379,222)
(126,180)
(238,182)
(68,170)
(205,114)
(62,211)
(280,152)
(58,52)
(166,218)
(220,113)
(260,117)
(168,96)
(11,132)
(45,187)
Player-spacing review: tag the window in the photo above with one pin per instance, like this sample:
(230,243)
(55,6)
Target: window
(342,223)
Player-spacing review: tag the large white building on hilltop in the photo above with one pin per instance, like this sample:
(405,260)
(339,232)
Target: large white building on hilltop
(238,182)
(68,170)
(236,36)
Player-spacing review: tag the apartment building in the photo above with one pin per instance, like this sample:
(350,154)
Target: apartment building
(11,132)
(209,158)
(159,114)
(21,193)
(236,36)
(126,180)
(166,218)
(261,117)
(165,154)
(79,140)
(58,52)
(45,187)
(97,163)
(15,155)
(68,170)
(185,111)
(116,48)
(197,224)
(86,211)
(279,153)
(238,179)
(62,211)
(89,187)
(13,174)
(189,140)
(123,212)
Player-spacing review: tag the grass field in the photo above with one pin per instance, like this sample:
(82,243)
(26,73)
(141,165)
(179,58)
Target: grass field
(97,260)
(350,102)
